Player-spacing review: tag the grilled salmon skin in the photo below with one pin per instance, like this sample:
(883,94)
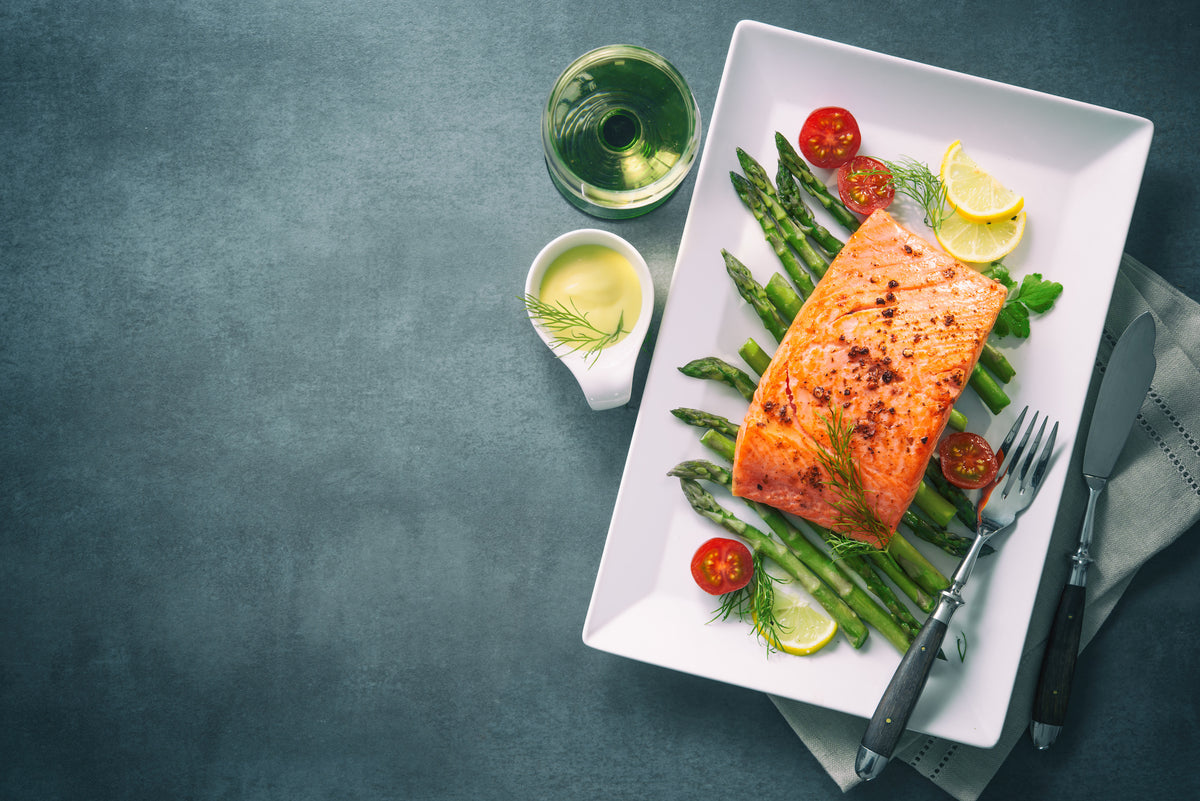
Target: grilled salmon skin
(884,346)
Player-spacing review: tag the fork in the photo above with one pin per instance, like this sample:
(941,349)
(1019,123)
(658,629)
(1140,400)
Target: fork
(1018,479)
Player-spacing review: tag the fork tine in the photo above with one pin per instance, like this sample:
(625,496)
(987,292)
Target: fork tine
(1005,447)
(1039,470)
(1014,458)
(1021,472)
(1033,449)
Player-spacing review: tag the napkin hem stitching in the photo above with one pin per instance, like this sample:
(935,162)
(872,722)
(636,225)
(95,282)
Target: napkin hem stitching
(1161,442)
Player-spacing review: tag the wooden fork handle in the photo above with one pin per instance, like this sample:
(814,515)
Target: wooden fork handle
(899,699)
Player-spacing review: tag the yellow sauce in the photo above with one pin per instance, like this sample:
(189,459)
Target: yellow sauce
(599,282)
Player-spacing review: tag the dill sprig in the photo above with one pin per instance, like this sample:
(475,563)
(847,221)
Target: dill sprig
(914,179)
(571,328)
(854,513)
(755,603)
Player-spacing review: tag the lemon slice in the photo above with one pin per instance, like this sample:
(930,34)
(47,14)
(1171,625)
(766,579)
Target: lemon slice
(973,193)
(980,242)
(802,629)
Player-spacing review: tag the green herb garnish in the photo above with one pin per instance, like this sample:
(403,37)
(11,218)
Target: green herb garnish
(570,328)
(754,603)
(1033,294)
(915,180)
(855,515)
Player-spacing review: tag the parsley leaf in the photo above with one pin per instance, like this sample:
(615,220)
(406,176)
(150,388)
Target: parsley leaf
(1033,294)
(999,273)
(1013,320)
(1039,295)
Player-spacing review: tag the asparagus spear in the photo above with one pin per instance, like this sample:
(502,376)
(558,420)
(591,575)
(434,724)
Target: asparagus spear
(753,293)
(790,198)
(997,363)
(702,501)
(813,558)
(785,299)
(870,566)
(812,184)
(888,565)
(930,501)
(772,232)
(990,392)
(755,356)
(964,510)
(718,443)
(702,419)
(913,574)
(714,368)
(950,543)
(757,177)
(924,572)
(872,580)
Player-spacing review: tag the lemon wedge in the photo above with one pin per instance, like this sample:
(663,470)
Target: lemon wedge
(980,242)
(973,193)
(803,630)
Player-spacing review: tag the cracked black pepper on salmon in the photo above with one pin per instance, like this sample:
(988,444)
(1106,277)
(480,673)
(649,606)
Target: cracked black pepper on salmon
(888,339)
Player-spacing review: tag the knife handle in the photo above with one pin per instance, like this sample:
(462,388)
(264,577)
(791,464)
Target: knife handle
(1058,663)
(900,697)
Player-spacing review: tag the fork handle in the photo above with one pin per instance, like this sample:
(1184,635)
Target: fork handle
(900,697)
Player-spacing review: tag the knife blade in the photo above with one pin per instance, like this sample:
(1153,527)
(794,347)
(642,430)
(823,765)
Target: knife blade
(1122,390)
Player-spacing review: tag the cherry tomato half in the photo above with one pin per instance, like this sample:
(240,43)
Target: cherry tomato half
(722,565)
(830,137)
(865,184)
(967,460)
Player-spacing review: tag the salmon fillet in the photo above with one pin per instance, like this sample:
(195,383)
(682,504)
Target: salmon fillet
(887,341)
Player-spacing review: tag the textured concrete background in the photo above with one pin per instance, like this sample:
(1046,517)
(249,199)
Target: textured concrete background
(294,505)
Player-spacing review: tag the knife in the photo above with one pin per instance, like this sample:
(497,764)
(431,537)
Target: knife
(1122,390)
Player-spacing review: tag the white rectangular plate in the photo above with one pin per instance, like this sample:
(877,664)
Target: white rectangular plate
(1079,168)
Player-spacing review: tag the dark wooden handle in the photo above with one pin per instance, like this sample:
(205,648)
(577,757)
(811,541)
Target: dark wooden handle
(1058,663)
(900,697)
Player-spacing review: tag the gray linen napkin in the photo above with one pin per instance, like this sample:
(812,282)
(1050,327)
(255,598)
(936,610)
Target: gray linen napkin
(1163,451)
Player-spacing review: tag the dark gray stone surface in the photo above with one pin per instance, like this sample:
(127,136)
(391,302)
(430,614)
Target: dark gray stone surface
(294,505)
